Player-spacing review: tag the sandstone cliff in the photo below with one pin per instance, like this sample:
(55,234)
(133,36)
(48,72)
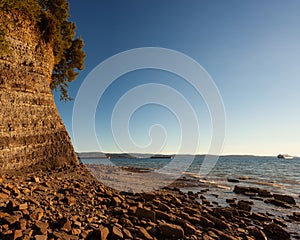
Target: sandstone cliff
(31,130)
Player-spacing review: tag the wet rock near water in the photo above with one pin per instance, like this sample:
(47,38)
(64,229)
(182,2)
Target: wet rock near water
(68,203)
(280,200)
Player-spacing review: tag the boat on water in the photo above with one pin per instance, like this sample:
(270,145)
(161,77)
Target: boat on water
(285,156)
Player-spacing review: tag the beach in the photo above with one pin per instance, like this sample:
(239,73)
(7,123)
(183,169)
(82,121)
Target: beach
(71,203)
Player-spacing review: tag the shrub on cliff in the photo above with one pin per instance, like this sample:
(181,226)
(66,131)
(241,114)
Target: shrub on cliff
(52,18)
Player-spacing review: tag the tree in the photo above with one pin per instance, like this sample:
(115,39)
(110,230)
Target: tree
(52,18)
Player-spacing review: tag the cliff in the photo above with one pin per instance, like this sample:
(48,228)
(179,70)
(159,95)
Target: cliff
(32,133)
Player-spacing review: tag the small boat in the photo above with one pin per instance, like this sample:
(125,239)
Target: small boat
(285,156)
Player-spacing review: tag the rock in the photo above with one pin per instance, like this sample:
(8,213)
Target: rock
(205,202)
(64,236)
(116,233)
(206,222)
(17,234)
(78,224)
(28,234)
(16,191)
(11,219)
(224,236)
(104,231)
(40,237)
(190,211)
(2,178)
(208,237)
(165,216)
(99,234)
(187,217)
(127,234)
(144,234)
(285,198)
(228,213)
(76,231)
(35,179)
(22,224)
(239,189)
(37,214)
(3,214)
(171,230)
(257,233)
(233,180)
(149,196)
(67,226)
(42,226)
(163,207)
(231,200)
(23,206)
(280,222)
(244,205)
(177,201)
(115,215)
(260,217)
(26,191)
(277,203)
(145,213)
(250,194)
(153,229)
(218,223)
(126,222)
(116,201)
(190,229)
(256,198)
(295,216)
(71,201)
(3,195)
(246,190)
(34,201)
(274,231)
(264,193)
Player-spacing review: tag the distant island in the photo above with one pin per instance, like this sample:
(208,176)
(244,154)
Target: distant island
(101,155)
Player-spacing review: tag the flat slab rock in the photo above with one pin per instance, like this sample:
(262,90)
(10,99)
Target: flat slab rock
(69,203)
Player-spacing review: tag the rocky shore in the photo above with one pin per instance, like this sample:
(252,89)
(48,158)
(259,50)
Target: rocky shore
(69,203)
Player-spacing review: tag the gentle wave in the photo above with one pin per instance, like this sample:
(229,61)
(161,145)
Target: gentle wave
(268,172)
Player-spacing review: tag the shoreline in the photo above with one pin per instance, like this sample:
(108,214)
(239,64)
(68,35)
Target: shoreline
(69,203)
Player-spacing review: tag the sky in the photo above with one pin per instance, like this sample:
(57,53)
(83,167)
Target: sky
(251,50)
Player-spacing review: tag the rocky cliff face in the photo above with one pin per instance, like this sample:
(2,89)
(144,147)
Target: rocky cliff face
(31,130)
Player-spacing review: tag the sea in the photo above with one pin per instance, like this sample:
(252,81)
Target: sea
(279,176)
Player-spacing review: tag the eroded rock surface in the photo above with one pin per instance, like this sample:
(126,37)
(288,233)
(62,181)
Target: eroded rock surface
(31,130)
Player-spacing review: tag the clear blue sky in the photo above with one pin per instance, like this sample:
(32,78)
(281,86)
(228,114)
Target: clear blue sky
(250,48)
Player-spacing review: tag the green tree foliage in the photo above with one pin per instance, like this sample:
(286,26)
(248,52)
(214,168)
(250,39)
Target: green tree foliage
(52,18)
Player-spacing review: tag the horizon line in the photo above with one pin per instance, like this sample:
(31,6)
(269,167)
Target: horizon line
(196,154)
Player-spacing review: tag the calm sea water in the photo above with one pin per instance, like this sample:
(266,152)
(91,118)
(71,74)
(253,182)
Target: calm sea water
(277,175)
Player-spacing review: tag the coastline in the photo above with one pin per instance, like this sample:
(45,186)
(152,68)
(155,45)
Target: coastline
(69,203)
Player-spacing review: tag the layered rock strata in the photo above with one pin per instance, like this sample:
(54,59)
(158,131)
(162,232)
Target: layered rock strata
(31,130)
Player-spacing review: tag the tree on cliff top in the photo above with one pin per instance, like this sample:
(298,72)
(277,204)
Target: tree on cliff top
(52,18)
